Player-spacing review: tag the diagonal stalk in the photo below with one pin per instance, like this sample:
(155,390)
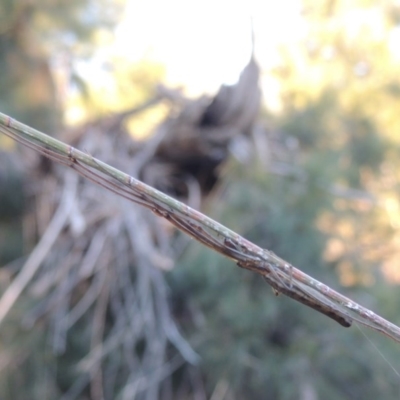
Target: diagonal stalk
(281,275)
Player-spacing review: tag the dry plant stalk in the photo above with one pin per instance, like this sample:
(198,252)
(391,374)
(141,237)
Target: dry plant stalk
(282,276)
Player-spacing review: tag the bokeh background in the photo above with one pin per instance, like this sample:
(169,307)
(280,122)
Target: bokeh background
(125,307)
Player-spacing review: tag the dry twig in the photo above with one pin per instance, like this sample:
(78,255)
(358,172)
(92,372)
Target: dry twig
(281,275)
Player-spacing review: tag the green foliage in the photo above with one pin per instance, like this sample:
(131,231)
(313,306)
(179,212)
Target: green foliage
(304,123)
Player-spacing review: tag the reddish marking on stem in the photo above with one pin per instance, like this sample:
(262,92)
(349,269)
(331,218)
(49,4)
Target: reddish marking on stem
(161,213)
(230,244)
(325,309)
(280,287)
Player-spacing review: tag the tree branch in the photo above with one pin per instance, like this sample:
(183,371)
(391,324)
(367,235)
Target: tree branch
(281,275)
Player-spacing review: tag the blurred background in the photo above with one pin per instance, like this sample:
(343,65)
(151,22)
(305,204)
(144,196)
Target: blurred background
(277,119)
